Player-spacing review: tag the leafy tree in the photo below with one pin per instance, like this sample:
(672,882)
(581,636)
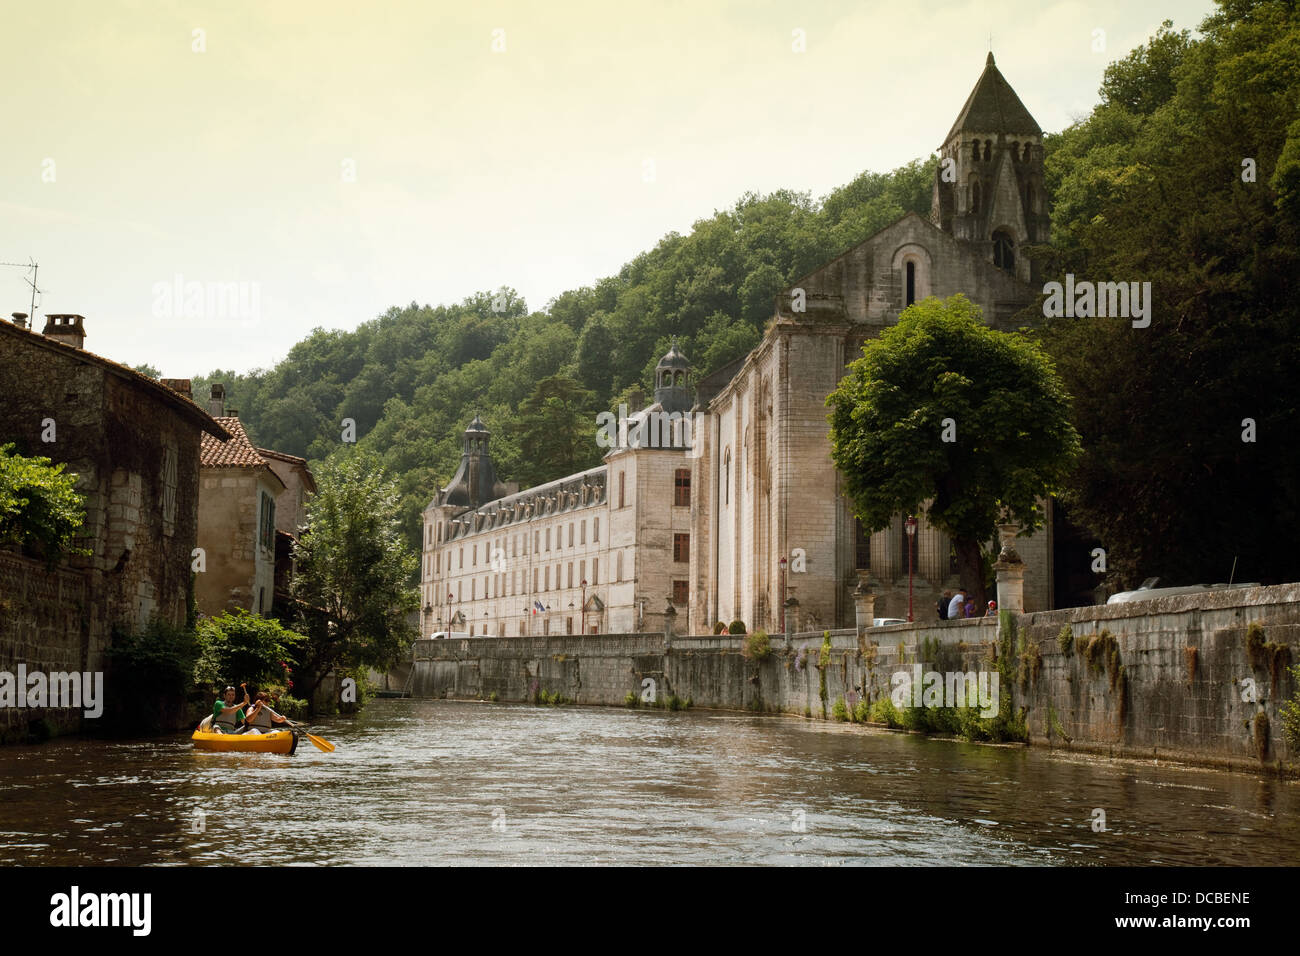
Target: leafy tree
(40,508)
(944,415)
(353,571)
(1181,178)
(557,428)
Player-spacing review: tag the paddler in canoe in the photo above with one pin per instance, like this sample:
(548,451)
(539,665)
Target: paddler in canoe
(262,719)
(227,718)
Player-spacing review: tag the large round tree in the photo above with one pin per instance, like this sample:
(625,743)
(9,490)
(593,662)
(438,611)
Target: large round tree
(942,409)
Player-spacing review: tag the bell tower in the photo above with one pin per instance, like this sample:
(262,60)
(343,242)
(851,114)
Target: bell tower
(989,188)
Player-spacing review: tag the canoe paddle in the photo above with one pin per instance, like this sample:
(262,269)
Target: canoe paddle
(320,743)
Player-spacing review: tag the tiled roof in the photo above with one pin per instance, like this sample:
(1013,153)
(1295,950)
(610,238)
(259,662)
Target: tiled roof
(299,463)
(291,459)
(236,453)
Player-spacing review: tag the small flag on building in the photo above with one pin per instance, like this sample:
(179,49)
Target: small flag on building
(537,607)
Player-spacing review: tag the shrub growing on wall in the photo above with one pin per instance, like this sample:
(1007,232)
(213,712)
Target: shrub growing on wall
(758,646)
(736,627)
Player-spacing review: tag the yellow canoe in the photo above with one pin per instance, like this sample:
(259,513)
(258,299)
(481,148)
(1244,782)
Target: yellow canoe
(280,742)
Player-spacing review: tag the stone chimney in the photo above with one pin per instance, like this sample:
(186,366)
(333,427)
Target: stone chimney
(20,319)
(68,329)
(217,403)
(181,385)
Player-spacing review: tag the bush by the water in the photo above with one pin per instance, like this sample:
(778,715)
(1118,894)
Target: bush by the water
(152,676)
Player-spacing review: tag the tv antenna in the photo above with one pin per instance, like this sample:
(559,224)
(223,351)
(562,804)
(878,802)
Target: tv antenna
(34,266)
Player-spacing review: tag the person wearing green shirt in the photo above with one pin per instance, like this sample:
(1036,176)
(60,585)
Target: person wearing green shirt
(227,716)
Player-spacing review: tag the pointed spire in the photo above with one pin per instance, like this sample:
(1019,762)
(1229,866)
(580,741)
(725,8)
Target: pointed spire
(993,107)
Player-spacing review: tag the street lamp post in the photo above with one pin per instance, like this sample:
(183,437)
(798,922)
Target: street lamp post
(911,537)
(584,606)
(783,563)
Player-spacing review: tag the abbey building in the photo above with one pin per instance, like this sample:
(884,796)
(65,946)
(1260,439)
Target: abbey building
(696,526)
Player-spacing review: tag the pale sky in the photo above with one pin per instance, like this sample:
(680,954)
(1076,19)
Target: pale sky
(135,161)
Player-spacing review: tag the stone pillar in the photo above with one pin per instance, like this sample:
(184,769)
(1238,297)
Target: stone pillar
(791,620)
(1010,572)
(864,604)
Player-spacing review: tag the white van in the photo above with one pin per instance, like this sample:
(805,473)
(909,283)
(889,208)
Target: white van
(444,635)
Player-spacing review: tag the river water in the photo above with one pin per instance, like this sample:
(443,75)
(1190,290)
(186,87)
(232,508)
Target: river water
(418,782)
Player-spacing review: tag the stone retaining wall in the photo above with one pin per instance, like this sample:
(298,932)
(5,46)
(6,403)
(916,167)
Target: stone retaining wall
(1142,692)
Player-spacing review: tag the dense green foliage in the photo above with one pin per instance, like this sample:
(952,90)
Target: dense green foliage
(238,646)
(354,566)
(1152,186)
(39,505)
(942,409)
(150,676)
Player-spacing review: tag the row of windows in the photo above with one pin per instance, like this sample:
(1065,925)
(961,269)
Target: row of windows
(508,585)
(540,543)
(1017,154)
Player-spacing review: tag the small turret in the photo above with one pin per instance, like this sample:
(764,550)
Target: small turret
(672,381)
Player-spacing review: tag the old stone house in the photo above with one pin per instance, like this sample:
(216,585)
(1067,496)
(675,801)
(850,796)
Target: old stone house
(290,518)
(237,495)
(133,444)
(252,504)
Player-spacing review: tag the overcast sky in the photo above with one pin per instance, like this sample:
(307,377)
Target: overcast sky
(341,158)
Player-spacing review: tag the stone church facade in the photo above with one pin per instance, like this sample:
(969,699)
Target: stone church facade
(757,484)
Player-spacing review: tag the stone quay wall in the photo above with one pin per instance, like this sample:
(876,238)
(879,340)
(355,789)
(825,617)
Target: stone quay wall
(1194,678)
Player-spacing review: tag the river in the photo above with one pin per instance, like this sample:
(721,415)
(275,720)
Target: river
(417,782)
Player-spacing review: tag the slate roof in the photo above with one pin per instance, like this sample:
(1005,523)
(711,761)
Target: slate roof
(993,107)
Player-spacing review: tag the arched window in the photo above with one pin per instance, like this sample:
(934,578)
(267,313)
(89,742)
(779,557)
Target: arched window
(988,149)
(1015,152)
(1026,158)
(911,282)
(677,378)
(975,153)
(1004,251)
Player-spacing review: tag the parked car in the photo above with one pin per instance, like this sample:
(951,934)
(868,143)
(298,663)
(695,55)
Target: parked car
(1149,592)
(883,621)
(443,635)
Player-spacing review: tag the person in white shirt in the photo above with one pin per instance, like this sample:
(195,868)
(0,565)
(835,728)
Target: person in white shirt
(262,719)
(956,605)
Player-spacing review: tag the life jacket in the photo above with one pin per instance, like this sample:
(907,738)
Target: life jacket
(227,717)
(262,719)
